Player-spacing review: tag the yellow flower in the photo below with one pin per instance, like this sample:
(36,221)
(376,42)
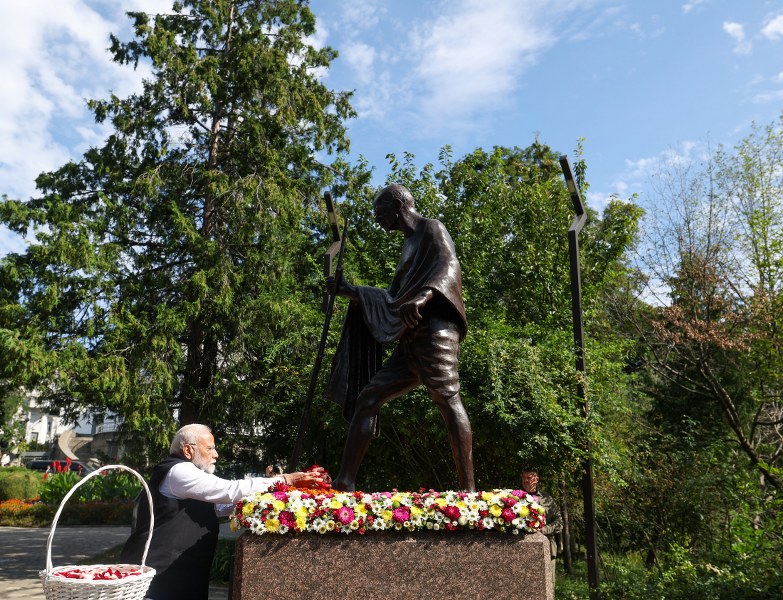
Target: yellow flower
(278,505)
(461,505)
(495,510)
(301,523)
(416,512)
(248,509)
(272,525)
(301,512)
(486,496)
(387,515)
(361,508)
(335,503)
(524,511)
(441,502)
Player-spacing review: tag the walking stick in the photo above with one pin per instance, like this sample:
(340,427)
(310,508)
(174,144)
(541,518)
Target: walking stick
(292,464)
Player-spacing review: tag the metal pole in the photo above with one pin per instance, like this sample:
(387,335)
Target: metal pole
(337,247)
(576,311)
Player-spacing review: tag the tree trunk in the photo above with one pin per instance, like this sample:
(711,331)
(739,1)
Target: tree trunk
(568,565)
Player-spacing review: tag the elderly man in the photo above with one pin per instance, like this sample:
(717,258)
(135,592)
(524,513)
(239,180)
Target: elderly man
(554,523)
(422,310)
(187,500)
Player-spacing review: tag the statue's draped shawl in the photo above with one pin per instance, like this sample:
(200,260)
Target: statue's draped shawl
(428,261)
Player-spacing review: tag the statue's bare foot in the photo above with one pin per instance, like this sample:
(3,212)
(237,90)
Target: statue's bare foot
(343,485)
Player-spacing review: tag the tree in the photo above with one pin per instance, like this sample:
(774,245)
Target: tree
(168,269)
(11,430)
(716,265)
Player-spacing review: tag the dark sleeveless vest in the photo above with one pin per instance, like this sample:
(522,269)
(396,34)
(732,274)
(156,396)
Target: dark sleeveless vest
(183,541)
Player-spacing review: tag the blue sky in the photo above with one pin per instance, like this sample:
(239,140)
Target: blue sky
(641,81)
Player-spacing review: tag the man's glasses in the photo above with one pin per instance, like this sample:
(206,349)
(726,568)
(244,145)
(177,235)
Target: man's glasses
(209,448)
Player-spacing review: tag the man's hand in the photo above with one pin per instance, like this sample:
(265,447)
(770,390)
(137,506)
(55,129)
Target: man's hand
(343,288)
(305,479)
(410,312)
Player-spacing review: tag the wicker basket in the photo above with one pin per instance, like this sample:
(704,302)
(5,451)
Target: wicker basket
(133,587)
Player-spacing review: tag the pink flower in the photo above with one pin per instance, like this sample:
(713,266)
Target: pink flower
(509,501)
(345,515)
(280,496)
(401,514)
(508,515)
(287,519)
(452,512)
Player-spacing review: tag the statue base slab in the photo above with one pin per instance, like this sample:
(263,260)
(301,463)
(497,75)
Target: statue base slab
(378,565)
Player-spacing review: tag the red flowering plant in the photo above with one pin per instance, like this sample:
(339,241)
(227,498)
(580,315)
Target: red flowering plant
(286,509)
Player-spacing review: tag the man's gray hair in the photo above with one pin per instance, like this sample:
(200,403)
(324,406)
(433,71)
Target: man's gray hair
(189,434)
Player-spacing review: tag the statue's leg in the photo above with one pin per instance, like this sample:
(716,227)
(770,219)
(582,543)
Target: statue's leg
(460,437)
(439,360)
(393,380)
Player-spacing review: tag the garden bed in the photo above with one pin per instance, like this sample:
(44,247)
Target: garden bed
(23,513)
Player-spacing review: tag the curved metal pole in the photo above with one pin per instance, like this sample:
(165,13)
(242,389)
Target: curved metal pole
(329,309)
(593,579)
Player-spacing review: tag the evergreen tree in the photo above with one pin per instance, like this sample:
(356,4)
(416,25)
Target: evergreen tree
(171,261)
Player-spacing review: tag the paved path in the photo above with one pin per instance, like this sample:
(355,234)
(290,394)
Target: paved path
(23,554)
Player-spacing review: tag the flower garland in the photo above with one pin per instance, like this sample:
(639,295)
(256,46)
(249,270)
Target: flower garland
(284,509)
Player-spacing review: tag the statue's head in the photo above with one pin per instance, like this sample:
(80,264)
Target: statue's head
(389,203)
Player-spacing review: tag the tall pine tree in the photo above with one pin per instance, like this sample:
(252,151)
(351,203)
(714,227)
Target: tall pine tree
(171,262)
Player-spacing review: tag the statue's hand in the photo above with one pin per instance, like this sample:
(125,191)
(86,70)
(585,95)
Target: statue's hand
(410,312)
(343,288)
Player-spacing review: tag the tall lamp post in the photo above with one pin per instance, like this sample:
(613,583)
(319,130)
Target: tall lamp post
(576,312)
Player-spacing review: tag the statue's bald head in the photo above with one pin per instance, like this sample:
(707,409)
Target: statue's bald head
(397,195)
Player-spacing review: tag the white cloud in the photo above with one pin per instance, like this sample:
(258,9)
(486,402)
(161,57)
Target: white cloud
(767,97)
(692,4)
(53,60)
(360,15)
(638,172)
(471,58)
(774,29)
(737,32)
(361,58)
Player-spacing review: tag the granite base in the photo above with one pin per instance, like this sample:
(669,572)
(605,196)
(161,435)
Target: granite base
(457,564)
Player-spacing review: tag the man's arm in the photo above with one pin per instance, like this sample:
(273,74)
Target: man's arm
(410,312)
(343,288)
(554,523)
(185,480)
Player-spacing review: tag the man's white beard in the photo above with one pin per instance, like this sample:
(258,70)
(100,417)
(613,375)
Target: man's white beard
(204,465)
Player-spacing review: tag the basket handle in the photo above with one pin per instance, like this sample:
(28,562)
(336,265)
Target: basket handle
(83,481)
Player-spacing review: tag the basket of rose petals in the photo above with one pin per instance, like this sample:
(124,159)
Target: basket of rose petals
(98,582)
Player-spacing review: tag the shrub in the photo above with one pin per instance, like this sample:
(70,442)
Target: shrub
(221,565)
(21,484)
(57,485)
(111,487)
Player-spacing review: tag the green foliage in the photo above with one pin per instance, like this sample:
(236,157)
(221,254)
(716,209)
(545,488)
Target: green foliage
(220,571)
(111,487)
(11,429)
(173,266)
(684,575)
(57,485)
(19,483)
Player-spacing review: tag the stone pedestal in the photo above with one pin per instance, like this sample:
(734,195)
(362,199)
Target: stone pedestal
(382,565)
